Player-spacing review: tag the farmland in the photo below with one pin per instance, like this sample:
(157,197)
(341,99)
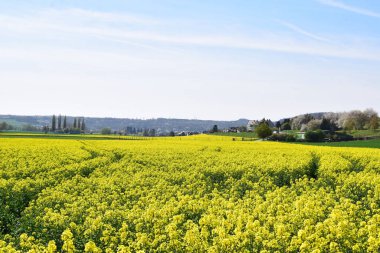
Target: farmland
(189,194)
(363,144)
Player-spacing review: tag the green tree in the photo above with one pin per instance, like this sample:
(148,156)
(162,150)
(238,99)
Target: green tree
(75,123)
(83,125)
(45,129)
(53,123)
(242,128)
(214,129)
(3,126)
(64,122)
(314,136)
(373,122)
(59,122)
(106,130)
(263,130)
(328,125)
(286,126)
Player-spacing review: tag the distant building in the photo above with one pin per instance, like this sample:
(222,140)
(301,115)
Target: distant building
(186,133)
(300,135)
(231,130)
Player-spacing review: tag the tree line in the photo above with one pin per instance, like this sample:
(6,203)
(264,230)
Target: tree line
(130,131)
(327,127)
(5,126)
(352,120)
(60,124)
(312,127)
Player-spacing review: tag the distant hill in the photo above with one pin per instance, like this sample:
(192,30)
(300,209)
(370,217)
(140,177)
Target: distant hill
(160,124)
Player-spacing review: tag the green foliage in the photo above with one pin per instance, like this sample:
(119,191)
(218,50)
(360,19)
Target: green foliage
(53,123)
(214,129)
(286,126)
(363,133)
(373,122)
(5,126)
(263,130)
(328,125)
(339,136)
(106,131)
(283,137)
(314,136)
(83,126)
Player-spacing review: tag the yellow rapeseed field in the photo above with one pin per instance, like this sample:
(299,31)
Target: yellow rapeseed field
(188,194)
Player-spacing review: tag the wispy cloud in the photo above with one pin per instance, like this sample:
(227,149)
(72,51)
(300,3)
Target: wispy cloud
(354,9)
(100,16)
(146,36)
(302,31)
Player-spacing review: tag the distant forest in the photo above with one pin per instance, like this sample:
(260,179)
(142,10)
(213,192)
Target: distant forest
(161,125)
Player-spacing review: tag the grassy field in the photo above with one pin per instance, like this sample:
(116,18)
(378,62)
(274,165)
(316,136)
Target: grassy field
(361,144)
(243,134)
(364,133)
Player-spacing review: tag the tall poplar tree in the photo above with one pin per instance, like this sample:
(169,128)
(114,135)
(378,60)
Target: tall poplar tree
(53,121)
(59,122)
(83,126)
(64,122)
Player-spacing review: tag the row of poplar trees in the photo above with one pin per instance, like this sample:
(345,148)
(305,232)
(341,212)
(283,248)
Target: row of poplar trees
(59,123)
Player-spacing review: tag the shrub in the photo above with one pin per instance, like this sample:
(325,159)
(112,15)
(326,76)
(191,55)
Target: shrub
(263,131)
(314,136)
(282,137)
(106,131)
(340,137)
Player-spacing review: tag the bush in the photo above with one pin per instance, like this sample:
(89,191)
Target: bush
(314,136)
(106,131)
(263,131)
(282,137)
(340,137)
(74,131)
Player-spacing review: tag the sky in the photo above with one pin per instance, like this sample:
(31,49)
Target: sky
(198,59)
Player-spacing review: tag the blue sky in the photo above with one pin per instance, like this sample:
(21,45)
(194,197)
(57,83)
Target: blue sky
(189,59)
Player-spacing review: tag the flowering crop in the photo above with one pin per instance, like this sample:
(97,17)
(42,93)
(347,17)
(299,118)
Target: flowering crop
(198,194)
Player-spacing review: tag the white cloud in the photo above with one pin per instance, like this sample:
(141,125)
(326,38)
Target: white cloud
(82,14)
(350,8)
(36,26)
(302,31)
